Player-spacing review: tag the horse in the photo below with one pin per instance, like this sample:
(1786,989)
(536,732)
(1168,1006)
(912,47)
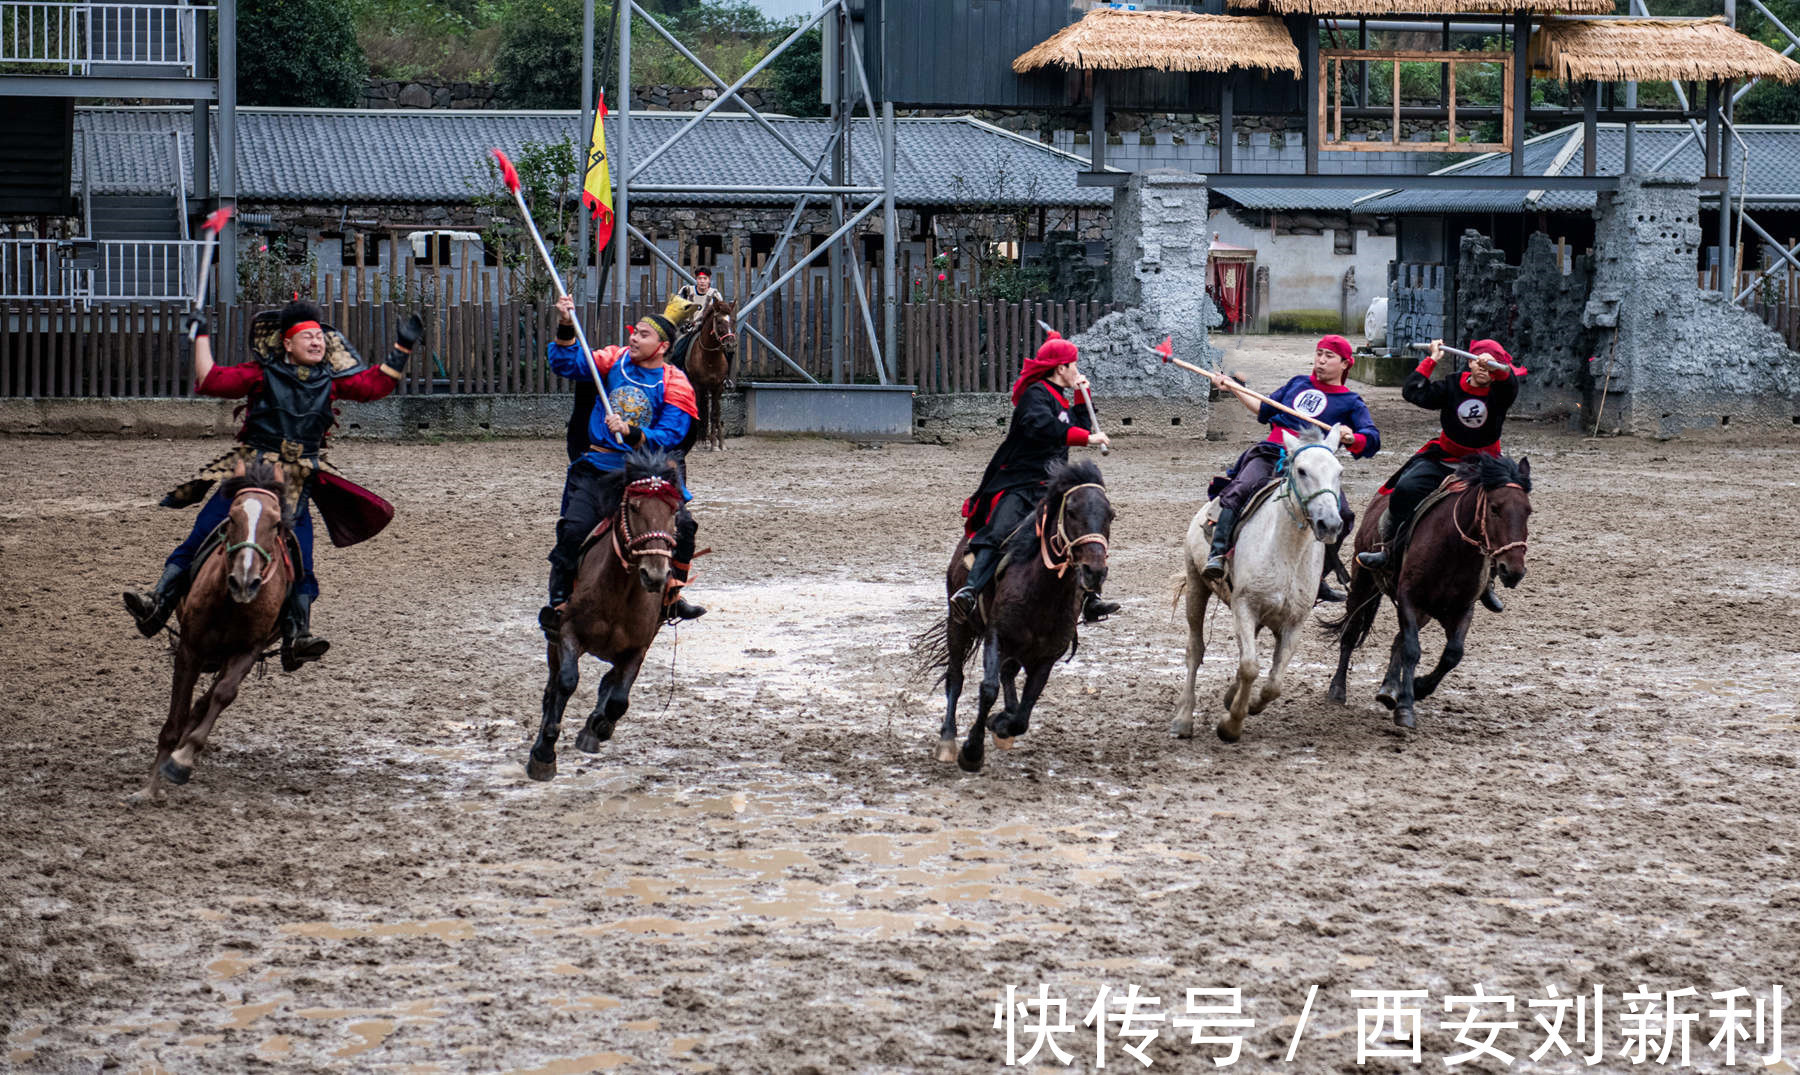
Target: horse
(709,366)
(1478,527)
(230,613)
(1031,618)
(616,607)
(1272,580)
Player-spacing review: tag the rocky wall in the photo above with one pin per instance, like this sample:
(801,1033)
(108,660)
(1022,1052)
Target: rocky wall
(1535,310)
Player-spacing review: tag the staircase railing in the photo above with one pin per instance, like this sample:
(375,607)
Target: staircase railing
(75,36)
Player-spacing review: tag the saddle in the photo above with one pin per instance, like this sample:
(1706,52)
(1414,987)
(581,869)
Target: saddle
(1257,499)
(1446,489)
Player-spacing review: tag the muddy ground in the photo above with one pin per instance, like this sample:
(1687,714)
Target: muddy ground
(765,871)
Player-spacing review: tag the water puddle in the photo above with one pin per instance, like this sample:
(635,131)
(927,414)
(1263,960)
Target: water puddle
(370,1033)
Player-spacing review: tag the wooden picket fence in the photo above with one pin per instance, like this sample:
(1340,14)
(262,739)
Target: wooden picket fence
(478,345)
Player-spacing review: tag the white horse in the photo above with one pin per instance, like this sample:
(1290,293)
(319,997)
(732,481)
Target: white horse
(1272,580)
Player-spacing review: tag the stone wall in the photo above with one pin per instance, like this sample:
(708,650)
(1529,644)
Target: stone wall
(1679,358)
(1534,309)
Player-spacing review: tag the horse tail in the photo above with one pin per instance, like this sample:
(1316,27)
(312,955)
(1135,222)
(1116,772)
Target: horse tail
(1181,585)
(1353,626)
(931,648)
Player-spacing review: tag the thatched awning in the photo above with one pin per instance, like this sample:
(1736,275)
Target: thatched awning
(1650,50)
(1352,8)
(1107,39)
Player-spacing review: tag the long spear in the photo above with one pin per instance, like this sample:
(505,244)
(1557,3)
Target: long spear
(1166,351)
(211,227)
(1087,396)
(1487,360)
(511,176)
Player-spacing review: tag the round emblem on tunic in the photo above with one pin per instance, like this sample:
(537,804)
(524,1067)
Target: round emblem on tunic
(632,404)
(1310,403)
(1472,413)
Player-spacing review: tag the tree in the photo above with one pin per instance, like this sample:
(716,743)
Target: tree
(539,62)
(550,182)
(299,53)
(795,79)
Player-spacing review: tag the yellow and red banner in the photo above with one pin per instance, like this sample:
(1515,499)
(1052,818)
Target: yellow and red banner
(596,182)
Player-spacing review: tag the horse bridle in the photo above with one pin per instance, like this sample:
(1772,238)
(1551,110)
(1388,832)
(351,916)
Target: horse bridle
(1297,502)
(635,546)
(706,328)
(1488,552)
(1047,542)
(268,557)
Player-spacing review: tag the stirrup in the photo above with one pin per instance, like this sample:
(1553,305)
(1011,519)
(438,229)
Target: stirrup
(1326,593)
(1215,567)
(963,602)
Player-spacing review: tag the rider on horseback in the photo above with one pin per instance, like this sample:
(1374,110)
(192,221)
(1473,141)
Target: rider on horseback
(1045,423)
(699,297)
(302,367)
(654,405)
(1323,395)
(1472,410)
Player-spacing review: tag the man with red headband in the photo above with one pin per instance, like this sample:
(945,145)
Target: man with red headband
(1048,417)
(1321,395)
(653,406)
(1472,409)
(302,367)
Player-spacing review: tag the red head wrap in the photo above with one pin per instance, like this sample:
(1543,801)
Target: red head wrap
(1493,350)
(297,328)
(1339,346)
(1055,352)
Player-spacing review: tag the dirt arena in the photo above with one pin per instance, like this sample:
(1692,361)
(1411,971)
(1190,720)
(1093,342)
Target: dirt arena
(765,871)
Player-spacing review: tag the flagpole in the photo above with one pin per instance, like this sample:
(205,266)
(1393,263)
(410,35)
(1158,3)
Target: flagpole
(587,126)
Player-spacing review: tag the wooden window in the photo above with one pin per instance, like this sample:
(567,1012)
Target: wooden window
(1332,63)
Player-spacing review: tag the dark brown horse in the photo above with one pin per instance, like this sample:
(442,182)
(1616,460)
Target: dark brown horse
(231,612)
(1031,617)
(709,368)
(1456,542)
(616,607)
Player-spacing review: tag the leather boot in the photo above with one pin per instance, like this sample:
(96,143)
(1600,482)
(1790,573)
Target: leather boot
(677,607)
(1093,609)
(1491,600)
(298,644)
(562,583)
(151,610)
(1380,556)
(981,575)
(1221,544)
(1326,593)
(681,561)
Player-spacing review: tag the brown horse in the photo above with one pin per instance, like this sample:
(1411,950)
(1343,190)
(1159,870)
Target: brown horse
(231,612)
(1456,542)
(1031,618)
(616,607)
(709,368)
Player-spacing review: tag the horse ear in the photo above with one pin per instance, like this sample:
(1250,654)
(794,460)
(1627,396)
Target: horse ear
(1525,467)
(1333,440)
(1289,441)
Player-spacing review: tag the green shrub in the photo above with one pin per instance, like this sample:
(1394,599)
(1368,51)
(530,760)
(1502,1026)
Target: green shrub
(299,54)
(1309,322)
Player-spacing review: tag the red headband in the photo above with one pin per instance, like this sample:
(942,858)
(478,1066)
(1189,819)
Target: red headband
(300,327)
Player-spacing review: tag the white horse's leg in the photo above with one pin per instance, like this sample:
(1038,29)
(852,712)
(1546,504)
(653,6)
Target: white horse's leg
(1238,695)
(1286,641)
(1195,602)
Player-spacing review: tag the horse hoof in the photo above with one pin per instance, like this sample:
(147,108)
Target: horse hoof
(1387,698)
(540,770)
(1003,742)
(968,764)
(1338,694)
(1229,731)
(945,751)
(587,742)
(1404,719)
(176,774)
(1182,728)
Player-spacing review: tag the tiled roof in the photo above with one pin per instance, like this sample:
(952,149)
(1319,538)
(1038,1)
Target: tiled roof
(374,156)
(1773,169)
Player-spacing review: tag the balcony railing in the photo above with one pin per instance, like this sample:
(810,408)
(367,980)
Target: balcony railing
(43,36)
(88,271)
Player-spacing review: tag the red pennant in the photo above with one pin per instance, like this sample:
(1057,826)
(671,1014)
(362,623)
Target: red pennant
(215,221)
(507,172)
(1166,348)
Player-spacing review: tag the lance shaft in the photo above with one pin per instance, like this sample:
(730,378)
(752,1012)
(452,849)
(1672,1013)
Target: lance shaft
(1087,397)
(1225,382)
(556,278)
(1485,360)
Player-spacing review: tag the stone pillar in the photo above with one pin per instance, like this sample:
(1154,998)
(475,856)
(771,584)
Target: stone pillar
(1159,253)
(1679,358)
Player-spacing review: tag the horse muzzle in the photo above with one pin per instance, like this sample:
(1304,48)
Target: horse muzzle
(1091,576)
(1508,575)
(652,575)
(241,590)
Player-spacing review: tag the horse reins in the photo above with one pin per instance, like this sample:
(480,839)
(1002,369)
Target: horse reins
(634,546)
(1481,514)
(268,557)
(1047,541)
(1297,502)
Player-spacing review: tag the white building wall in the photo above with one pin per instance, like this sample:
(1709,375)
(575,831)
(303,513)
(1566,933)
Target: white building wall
(1304,271)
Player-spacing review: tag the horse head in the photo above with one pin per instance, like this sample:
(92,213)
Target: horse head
(1314,479)
(1502,512)
(720,318)
(1078,523)
(254,530)
(648,502)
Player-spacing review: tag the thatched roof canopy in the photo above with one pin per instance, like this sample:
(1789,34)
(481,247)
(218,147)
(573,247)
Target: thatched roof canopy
(1107,39)
(1650,50)
(1425,7)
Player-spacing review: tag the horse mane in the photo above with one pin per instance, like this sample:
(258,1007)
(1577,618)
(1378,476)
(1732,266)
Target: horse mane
(259,475)
(1492,472)
(641,463)
(1063,477)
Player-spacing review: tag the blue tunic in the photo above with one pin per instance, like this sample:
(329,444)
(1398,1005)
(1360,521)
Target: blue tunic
(640,396)
(1332,404)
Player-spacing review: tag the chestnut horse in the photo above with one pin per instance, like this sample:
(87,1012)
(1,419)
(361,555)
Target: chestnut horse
(1456,542)
(231,612)
(616,607)
(1030,619)
(709,368)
